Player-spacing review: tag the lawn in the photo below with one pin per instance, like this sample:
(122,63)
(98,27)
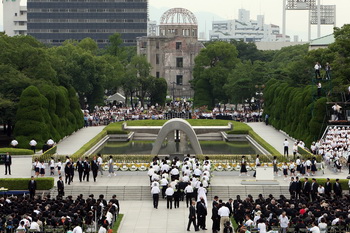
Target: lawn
(117,223)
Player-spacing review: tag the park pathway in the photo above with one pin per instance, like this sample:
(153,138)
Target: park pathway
(272,136)
(74,142)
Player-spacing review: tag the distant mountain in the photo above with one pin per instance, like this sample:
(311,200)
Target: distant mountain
(204,18)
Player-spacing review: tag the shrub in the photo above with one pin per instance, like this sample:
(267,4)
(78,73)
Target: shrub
(22,183)
(46,155)
(16,151)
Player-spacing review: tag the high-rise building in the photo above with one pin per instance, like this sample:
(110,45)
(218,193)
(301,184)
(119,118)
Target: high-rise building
(15,18)
(171,53)
(54,21)
(245,29)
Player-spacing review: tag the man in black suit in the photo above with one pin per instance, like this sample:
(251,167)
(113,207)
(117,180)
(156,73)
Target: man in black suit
(201,213)
(328,187)
(314,189)
(32,187)
(192,217)
(71,171)
(307,188)
(60,187)
(86,169)
(67,172)
(215,217)
(114,200)
(215,201)
(8,163)
(338,191)
(229,205)
(292,188)
(298,187)
(94,168)
(80,168)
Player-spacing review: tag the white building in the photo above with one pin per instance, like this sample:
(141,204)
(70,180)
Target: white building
(15,18)
(246,29)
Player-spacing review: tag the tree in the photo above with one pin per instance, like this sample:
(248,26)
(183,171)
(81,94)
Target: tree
(158,91)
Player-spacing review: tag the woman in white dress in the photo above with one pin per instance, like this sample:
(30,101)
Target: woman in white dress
(202,192)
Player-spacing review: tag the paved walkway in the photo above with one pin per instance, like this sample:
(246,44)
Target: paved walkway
(272,136)
(74,142)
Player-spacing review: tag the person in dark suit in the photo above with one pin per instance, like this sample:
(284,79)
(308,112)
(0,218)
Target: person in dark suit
(229,205)
(298,187)
(215,217)
(216,200)
(60,187)
(192,217)
(80,168)
(8,163)
(314,189)
(94,168)
(71,171)
(349,164)
(292,188)
(201,213)
(32,187)
(338,191)
(67,171)
(307,188)
(86,169)
(328,187)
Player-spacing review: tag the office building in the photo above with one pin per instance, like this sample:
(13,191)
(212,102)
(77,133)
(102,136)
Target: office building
(15,18)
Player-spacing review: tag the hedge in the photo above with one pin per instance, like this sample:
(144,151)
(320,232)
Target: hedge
(235,158)
(308,155)
(45,183)
(46,155)
(343,182)
(16,151)
(264,144)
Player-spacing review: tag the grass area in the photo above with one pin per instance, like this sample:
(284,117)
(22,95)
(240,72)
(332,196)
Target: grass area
(234,224)
(16,151)
(89,144)
(117,223)
(264,144)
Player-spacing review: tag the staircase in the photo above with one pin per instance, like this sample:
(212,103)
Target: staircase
(142,193)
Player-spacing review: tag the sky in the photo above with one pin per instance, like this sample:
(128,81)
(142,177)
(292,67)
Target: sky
(209,10)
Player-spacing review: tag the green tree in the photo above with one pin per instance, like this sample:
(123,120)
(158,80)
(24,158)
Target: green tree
(158,91)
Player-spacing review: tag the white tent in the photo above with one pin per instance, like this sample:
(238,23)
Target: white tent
(116,97)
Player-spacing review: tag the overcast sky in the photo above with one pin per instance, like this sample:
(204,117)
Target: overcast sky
(207,10)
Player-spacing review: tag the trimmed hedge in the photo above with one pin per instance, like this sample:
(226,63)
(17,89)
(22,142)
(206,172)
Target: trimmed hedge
(16,151)
(264,144)
(343,182)
(308,155)
(46,155)
(44,183)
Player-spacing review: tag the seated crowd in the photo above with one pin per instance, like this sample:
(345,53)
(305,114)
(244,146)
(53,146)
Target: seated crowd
(21,213)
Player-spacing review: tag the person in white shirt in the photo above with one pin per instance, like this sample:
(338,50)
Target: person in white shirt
(323,225)
(261,226)
(295,149)
(21,227)
(285,146)
(33,144)
(284,222)
(77,229)
(169,192)
(150,173)
(320,190)
(174,173)
(189,194)
(103,229)
(99,163)
(34,225)
(224,214)
(314,228)
(155,195)
(52,166)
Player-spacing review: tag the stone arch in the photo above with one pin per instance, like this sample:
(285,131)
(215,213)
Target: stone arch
(177,124)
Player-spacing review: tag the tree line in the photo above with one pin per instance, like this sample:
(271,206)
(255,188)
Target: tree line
(43,89)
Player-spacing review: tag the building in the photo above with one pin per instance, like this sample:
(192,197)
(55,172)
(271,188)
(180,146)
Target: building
(15,18)
(322,42)
(172,52)
(54,21)
(246,29)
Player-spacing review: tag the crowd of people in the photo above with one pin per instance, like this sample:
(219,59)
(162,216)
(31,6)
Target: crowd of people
(25,213)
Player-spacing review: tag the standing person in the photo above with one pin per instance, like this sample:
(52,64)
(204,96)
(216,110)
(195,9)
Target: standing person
(224,214)
(257,164)
(298,187)
(295,149)
(86,169)
(80,168)
(94,168)
(243,167)
(111,166)
(42,169)
(169,192)
(71,171)
(307,188)
(14,143)
(319,88)
(192,217)
(298,163)
(59,167)
(261,226)
(202,193)
(275,168)
(52,167)
(284,222)
(33,144)
(67,171)
(189,194)
(285,170)
(285,147)
(314,189)
(313,166)
(60,186)
(338,191)
(292,188)
(32,187)
(215,217)
(308,167)
(155,194)
(201,214)
(317,68)
(349,164)
(328,188)
(328,71)
(36,166)
(99,163)
(8,163)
